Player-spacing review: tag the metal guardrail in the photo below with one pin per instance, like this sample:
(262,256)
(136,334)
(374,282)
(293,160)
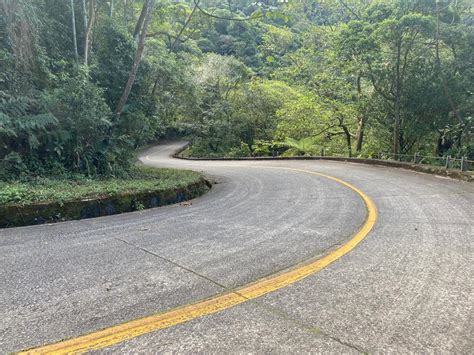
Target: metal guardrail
(458,168)
(444,162)
(447,161)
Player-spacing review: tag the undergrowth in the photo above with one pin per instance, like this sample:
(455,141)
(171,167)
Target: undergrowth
(140,179)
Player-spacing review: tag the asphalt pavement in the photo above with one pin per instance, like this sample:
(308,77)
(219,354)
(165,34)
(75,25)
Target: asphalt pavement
(408,287)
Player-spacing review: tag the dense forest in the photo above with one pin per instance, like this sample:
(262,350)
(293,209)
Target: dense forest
(85,83)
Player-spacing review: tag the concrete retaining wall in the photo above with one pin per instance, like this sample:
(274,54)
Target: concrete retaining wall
(16,215)
(429,169)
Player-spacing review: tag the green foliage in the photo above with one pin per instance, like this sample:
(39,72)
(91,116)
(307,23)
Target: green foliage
(254,108)
(84,121)
(276,42)
(25,126)
(268,148)
(79,187)
(112,61)
(353,77)
(301,118)
(242,151)
(304,146)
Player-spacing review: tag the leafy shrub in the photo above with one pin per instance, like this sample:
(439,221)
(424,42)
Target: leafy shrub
(266,148)
(76,187)
(14,193)
(242,151)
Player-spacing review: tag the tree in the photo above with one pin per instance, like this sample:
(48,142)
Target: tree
(236,77)
(88,29)
(387,48)
(148,8)
(74,37)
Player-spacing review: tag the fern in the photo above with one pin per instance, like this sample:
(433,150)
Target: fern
(6,126)
(304,146)
(22,125)
(18,116)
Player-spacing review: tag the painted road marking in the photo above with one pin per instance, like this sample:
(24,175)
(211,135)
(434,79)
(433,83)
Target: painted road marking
(119,333)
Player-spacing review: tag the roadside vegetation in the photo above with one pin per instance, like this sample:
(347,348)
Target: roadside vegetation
(76,188)
(85,83)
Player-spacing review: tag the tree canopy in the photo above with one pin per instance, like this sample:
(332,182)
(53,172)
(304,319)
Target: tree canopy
(84,83)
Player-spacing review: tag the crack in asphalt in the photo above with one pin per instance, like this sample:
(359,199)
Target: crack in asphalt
(269,309)
(172,262)
(304,326)
(233,289)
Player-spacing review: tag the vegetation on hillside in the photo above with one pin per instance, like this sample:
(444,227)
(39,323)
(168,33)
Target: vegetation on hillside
(84,83)
(75,188)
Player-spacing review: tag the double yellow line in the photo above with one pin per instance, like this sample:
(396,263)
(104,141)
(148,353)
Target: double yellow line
(119,333)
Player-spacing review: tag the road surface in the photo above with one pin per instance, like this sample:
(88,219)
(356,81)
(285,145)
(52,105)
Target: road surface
(407,287)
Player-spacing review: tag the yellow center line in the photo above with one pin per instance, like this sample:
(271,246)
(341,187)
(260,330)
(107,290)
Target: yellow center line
(131,329)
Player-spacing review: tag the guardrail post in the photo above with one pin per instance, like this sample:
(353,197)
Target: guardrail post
(322,152)
(463,164)
(448,158)
(415,158)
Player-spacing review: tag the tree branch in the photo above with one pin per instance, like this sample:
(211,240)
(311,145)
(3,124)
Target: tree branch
(196,3)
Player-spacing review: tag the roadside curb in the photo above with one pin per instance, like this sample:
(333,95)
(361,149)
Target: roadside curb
(428,169)
(40,213)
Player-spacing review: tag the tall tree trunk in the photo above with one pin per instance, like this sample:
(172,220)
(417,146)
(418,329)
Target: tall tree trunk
(148,6)
(396,129)
(74,37)
(84,15)
(88,31)
(111,8)
(348,140)
(360,133)
(398,92)
(360,121)
(139,24)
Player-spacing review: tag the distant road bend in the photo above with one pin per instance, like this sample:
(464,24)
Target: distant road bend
(198,268)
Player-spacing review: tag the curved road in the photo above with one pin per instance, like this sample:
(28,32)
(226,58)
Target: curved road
(407,287)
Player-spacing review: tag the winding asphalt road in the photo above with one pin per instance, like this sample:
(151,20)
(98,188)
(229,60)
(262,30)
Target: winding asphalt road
(408,287)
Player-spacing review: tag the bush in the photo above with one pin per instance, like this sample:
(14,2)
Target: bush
(77,187)
(266,148)
(243,151)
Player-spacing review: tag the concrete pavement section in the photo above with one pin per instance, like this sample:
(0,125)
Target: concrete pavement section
(407,287)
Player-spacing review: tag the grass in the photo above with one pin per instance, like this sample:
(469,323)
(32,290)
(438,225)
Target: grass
(141,179)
